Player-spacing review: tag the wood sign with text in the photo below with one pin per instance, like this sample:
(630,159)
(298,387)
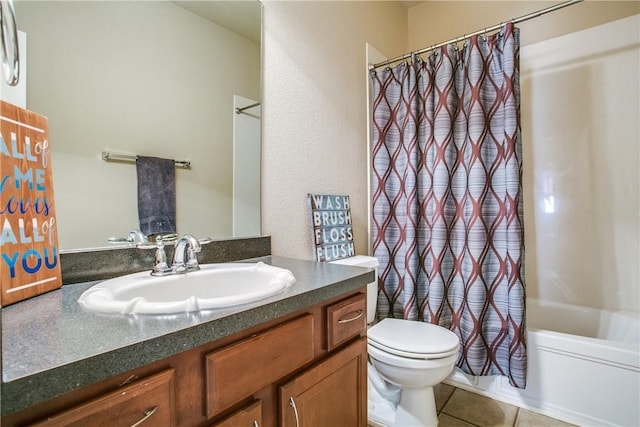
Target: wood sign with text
(29,263)
(331,227)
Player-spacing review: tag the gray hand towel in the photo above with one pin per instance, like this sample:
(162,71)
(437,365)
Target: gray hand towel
(156,195)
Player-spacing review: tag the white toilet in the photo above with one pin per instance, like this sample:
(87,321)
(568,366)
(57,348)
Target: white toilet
(415,356)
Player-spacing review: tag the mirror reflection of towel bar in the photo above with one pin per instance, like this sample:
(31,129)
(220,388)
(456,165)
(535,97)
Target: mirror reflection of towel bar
(129,158)
(241,110)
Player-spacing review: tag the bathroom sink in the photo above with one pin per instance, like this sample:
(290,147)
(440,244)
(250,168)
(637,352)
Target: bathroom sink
(213,286)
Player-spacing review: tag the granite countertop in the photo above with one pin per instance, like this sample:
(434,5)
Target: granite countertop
(51,345)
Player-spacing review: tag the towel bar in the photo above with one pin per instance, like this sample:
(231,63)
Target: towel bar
(130,158)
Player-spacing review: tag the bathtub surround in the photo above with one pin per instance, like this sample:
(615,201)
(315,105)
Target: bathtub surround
(446,195)
(581,169)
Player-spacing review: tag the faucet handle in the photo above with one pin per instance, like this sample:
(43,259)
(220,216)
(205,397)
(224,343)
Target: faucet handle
(205,240)
(160,266)
(136,236)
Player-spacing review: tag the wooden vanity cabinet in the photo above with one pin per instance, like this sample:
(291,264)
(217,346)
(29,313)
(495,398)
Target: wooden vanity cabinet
(315,358)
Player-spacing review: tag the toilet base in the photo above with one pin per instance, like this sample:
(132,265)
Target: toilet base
(417,408)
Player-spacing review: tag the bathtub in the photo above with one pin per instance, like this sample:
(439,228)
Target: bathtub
(583,366)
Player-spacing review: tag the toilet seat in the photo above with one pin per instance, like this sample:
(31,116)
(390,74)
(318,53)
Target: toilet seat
(410,355)
(377,355)
(414,340)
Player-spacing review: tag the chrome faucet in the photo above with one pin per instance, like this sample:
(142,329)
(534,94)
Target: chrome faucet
(184,254)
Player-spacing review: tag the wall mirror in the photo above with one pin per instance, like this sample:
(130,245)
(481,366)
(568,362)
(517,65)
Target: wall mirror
(153,78)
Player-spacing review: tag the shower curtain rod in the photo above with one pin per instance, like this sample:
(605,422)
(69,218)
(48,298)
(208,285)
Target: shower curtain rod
(483,31)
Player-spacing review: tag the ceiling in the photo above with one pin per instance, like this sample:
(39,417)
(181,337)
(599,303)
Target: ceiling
(242,16)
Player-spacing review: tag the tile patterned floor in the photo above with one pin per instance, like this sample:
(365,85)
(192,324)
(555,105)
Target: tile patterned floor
(460,408)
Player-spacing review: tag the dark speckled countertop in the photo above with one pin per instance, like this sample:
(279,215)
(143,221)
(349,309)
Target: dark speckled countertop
(51,345)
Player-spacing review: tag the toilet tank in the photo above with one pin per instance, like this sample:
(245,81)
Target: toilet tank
(372,288)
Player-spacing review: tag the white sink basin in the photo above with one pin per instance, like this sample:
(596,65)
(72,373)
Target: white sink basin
(213,286)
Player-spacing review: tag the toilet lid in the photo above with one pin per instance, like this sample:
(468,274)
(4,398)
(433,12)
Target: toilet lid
(413,339)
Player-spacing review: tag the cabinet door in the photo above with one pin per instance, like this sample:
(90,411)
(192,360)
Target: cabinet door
(251,416)
(332,393)
(147,402)
(241,369)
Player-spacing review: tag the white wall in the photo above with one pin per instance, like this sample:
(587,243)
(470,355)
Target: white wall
(314,110)
(147,78)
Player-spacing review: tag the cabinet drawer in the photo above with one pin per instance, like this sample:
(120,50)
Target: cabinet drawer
(346,319)
(236,372)
(150,401)
(251,416)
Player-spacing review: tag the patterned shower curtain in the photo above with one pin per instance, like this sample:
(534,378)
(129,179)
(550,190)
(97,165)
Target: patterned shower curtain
(447,198)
